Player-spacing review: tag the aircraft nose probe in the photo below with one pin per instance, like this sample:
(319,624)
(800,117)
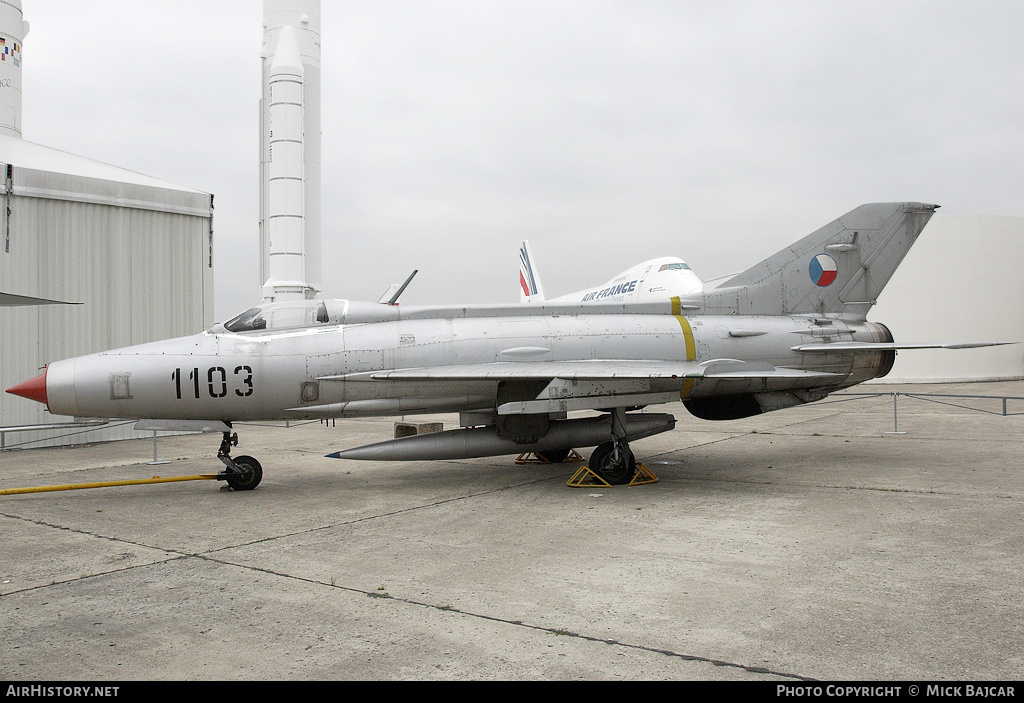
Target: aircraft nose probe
(34,389)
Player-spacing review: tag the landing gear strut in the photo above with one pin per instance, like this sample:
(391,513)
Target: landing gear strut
(614,461)
(242,473)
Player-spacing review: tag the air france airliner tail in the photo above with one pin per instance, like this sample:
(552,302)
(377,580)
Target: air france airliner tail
(531,289)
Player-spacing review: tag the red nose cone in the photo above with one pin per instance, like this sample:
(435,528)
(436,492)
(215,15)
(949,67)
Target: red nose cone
(33,390)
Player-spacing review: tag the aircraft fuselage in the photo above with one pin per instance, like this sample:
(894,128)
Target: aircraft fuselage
(326,370)
(788,330)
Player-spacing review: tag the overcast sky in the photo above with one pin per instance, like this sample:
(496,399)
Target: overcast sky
(604,131)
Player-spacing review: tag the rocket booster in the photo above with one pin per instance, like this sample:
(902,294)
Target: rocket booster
(285,224)
(290,217)
(13,29)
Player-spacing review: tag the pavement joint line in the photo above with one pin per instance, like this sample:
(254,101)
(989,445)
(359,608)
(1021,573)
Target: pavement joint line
(173,556)
(181,554)
(819,418)
(86,533)
(178,555)
(652,457)
(824,486)
(877,489)
(173,560)
(516,623)
(881,434)
(378,516)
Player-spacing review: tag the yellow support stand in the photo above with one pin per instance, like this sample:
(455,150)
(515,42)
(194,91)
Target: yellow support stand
(531,458)
(585,478)
(643,476)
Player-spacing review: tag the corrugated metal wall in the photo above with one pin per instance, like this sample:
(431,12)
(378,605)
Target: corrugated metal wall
(138,258)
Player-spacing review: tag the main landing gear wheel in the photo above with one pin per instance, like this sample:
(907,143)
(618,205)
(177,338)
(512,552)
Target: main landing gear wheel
(615,467)
(248,476)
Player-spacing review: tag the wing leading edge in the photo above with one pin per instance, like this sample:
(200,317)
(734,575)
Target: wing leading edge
(585,370)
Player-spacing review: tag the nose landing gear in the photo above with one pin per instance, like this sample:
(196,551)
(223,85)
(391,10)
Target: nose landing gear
(242,473)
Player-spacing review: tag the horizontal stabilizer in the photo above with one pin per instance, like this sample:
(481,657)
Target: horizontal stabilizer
(888,346)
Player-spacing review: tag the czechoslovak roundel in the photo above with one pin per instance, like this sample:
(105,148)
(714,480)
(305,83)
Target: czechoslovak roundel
(823,270)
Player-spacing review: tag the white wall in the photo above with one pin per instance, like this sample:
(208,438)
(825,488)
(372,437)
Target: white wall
(962,281)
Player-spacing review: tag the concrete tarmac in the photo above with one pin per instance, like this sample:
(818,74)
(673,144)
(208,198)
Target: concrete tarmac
(802,544)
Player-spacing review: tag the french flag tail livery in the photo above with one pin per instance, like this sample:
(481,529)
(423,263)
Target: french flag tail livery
(839,269)
(530,288)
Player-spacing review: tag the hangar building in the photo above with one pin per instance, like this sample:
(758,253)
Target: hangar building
(135,252)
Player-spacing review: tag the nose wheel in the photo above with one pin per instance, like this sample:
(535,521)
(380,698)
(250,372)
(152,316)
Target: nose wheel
(242,473)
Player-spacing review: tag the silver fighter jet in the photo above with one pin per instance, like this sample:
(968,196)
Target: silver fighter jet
(789,330)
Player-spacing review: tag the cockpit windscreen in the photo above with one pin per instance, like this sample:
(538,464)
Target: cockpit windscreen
(280,316)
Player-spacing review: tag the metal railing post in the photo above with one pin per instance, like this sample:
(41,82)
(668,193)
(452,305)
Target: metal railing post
(895,416)
(155,460)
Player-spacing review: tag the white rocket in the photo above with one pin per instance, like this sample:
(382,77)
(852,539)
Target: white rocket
(13,29)
(290,150)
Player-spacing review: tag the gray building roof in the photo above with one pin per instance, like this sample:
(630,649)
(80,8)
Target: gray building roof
(44,172)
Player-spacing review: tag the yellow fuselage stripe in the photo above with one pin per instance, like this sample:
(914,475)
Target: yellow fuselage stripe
(691,346)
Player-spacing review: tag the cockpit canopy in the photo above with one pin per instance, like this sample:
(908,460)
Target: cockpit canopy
(283,316)
(306,314)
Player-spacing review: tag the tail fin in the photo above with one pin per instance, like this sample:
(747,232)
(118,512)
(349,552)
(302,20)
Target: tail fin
(529,279)
(841,268)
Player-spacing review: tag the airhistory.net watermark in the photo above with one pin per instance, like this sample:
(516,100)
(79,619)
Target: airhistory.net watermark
(48,691)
